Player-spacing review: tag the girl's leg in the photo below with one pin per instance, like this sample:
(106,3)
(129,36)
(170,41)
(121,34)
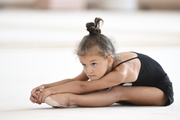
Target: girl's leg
(134,95)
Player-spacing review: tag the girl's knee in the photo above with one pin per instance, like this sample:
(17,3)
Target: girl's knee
(118,91)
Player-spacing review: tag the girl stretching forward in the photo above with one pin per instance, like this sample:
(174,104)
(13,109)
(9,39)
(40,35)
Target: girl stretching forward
(108,77)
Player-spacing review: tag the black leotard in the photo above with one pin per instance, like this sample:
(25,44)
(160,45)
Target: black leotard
(152,74)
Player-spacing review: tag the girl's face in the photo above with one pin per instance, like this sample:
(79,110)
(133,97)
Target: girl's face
(96,66)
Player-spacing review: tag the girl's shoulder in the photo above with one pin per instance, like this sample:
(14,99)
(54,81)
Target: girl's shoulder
(126,55)
(128,60)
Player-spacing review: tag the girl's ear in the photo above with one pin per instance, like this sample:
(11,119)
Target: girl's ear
(110,60)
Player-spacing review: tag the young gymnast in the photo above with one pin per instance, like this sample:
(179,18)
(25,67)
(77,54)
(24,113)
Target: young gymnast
(108,77)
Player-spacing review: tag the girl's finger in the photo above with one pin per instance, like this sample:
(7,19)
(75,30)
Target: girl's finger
(32,99)
(41,88)
(39,98)
(34,94)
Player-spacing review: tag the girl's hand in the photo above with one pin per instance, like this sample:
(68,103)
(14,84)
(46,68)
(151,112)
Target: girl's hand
(35,94)
(42,95)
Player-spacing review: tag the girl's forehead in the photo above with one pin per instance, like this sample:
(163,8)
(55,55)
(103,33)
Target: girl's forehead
(90,58)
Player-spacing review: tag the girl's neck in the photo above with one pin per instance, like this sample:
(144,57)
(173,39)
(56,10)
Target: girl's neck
(115,63)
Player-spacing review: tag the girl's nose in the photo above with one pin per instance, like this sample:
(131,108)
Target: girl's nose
(89,70)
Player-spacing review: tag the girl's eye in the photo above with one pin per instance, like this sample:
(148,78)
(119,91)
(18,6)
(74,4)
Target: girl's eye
(94,64)
(84,65)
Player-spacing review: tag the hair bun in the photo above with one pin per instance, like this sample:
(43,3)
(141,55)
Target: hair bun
(94,28)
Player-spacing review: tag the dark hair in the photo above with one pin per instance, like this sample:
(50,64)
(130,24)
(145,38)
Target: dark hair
(95,42)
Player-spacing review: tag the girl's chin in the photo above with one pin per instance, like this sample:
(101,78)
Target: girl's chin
(94,79)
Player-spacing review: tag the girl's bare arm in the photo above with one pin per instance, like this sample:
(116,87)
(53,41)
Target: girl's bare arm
(34,96)
(113,78)
(80,77)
